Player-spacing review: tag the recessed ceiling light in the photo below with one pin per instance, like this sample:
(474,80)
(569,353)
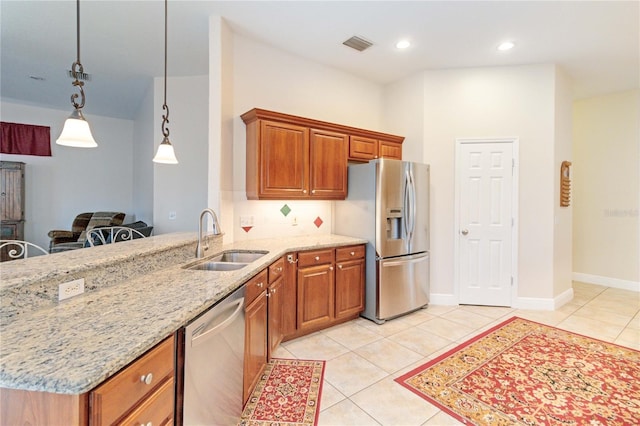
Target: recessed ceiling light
(403,44)
(506,45)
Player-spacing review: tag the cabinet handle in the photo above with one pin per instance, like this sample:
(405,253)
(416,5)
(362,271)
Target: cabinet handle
(146,379)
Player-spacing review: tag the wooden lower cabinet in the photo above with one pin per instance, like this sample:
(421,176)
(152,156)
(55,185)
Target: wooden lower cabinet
(255,340)
(144,391)
(328,289)
(275,305)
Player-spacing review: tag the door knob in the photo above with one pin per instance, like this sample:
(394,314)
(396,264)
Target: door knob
(464,231)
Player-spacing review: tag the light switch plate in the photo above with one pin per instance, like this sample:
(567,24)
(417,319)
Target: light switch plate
(246,221)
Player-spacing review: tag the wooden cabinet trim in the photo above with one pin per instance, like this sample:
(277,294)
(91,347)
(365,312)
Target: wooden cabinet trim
(262,114)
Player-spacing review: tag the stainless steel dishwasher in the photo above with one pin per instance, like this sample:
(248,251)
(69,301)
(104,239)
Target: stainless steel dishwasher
(213,364)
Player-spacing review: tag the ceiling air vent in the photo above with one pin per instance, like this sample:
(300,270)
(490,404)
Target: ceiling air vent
(81,75)
(358,43)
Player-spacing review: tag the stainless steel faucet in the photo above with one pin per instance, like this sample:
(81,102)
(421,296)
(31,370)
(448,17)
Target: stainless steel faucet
(200,248)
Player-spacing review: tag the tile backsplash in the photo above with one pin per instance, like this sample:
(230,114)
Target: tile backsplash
(287,218)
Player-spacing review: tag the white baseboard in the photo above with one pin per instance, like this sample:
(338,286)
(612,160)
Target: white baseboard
(443,299)
(543,304)
(606,281)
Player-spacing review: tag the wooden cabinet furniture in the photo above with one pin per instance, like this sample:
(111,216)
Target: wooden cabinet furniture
(11,203)
(141,393)
(328,289)
(365,148)
(275,304)
(350,275)
(315,289)
(291,157)
(255,341)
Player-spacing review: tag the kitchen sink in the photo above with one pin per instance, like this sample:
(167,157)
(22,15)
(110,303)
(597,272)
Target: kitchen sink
(240,256)
(217,266)
(228,260)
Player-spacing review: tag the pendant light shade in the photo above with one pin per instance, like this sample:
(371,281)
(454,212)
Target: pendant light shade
(76,132)
(165,153)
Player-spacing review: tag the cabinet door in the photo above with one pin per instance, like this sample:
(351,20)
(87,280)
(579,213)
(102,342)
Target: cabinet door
(275,314)
(328,167)
(255,343)
(315,296)
(349,288)
(361,148)
(290,296)
(12,191)
(284,160)
(390,150)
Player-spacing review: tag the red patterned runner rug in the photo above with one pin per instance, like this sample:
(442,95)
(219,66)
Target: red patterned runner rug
(525,373)
(287,394)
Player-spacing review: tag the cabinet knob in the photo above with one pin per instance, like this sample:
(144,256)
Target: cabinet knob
(304,191)
(147,379)
(149,424)
(313,191)
(353,253)
(317,258)
(259,285)
(279,268)
(331,268)
(273,290)
(339,266)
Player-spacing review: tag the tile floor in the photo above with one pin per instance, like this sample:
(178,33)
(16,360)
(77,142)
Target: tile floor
(363,358)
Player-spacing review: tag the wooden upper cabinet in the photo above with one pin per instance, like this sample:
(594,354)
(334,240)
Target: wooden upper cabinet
(365,149)
(291,157)
(328,166)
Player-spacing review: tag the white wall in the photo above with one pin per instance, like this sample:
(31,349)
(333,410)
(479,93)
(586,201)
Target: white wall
(483,103)
(182,187)
(563,216)
(143,152)
(606,190)
(73,180)
(264,77)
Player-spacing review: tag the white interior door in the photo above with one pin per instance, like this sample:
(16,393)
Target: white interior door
(485,229)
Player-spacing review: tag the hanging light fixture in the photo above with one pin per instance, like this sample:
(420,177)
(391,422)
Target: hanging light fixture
(165,152)
(76,131)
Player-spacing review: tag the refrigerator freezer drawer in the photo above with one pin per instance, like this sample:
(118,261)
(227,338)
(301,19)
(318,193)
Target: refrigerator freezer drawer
(402,285)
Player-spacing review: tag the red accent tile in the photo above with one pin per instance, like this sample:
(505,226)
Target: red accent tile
(318,222)
(247,228)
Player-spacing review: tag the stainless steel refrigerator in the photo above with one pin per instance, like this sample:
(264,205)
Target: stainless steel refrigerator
(388,204)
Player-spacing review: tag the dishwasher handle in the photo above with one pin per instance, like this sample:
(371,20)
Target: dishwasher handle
(201,332)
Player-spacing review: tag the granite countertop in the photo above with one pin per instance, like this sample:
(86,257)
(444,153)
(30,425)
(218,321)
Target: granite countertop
(72,346)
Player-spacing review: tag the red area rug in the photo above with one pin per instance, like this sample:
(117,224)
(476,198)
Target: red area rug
(287,394)
(524,373)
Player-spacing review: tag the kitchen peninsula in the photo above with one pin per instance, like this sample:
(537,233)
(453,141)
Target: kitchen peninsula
(137,295)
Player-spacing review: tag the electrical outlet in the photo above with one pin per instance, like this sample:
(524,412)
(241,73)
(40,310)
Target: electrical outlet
(172,215)
(70,289)
(294,221)
(246,221)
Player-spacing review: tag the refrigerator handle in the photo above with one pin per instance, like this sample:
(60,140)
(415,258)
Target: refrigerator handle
(406,216)
(413,202)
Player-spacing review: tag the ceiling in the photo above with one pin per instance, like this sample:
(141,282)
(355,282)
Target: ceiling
(596,42)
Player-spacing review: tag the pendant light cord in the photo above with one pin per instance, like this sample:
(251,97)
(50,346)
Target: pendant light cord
(165,117)
(76,67)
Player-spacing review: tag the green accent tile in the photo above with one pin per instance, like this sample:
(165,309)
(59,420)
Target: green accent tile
(285,210)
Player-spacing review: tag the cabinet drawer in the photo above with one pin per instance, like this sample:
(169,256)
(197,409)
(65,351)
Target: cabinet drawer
(118,395)
(276,269)
(349,253)
(363,148)
(155,410)
(315,257)
(255,287)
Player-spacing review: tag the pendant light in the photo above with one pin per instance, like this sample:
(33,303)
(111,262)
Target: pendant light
(76,131)
(165,152)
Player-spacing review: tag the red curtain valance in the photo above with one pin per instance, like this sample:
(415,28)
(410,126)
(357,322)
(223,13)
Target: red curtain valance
(25,139)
